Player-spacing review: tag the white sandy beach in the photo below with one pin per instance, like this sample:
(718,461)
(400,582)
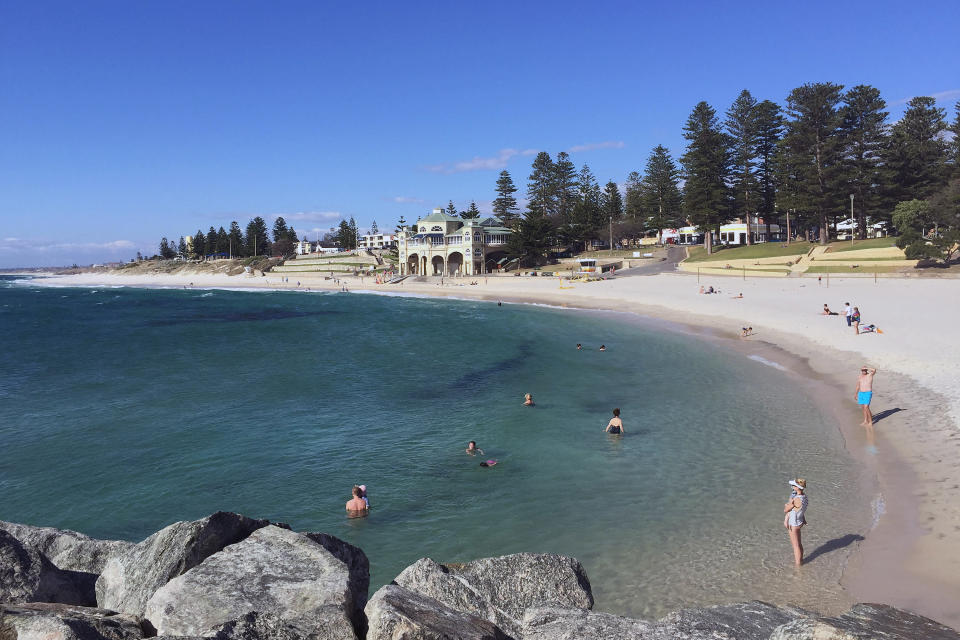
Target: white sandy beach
(912,557)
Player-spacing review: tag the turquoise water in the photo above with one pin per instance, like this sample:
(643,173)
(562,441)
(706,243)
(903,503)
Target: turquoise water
(123,410)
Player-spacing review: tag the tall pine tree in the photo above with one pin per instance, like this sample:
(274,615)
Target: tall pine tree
(258,243)
(505,204)
(471,213)
(235,243)
(659,192)
(633,206)
(813,141)
(706,169)
(612,201)
(540,187)
(564,186)
(451,209)
(199,245)
(863,136)
(741,126)
(769,132)
(916,160)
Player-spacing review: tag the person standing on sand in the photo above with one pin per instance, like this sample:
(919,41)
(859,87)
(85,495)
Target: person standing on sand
(796,508)
(856,320)
(848,312)
(864,393)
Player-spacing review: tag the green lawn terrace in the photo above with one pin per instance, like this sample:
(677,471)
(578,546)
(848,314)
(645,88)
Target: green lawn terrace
(337,263)
(875,255)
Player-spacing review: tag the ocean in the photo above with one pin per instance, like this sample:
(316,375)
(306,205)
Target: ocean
(123,410)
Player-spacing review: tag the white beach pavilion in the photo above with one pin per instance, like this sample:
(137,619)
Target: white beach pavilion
(440,244)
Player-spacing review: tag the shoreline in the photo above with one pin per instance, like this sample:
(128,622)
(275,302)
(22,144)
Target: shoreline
(911,558)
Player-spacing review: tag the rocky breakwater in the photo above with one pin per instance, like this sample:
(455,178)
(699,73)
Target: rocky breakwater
(230,577)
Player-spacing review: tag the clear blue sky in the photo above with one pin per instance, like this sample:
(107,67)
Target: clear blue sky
(121,122)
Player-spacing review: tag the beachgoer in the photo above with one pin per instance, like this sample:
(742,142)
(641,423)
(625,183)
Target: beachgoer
(363,494)
(356,507)
(737,297)
(615,426)
(701,289)
(528,400)
(864,391)
(795,510)
(746,331)
(472,448)
(579,347)
(870,328)
(848,312)
(856,320)
(819,280)
(603,347)
(710,290)
(827,312)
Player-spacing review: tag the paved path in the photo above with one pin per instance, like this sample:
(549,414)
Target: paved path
(674,255)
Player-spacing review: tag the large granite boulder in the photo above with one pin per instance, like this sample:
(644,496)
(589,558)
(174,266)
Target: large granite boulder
(39,621)
(130,578)
(557,623)
(500,589)
(67,549)
(27,576)
(357,564)
(741,621)
(274,571)
(866,622)
(395,613)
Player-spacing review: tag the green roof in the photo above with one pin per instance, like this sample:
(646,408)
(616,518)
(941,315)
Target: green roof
(440,217)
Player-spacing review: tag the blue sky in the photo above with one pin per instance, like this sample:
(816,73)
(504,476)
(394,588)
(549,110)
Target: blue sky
(121,122)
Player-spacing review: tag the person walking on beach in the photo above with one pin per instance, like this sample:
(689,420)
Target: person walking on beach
(796,508)
(864,393)
(615,426)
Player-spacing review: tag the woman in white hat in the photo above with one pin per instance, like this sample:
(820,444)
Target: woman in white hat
(796,509)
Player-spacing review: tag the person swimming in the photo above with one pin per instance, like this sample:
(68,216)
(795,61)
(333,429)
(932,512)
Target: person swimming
(603,347)
(579,347)
(363,494)
(356,507)
(615,426)
(472,448)
(528,400)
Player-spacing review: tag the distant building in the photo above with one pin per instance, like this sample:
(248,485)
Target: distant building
(303,247)
(734,233)
(440,244)
(378,241)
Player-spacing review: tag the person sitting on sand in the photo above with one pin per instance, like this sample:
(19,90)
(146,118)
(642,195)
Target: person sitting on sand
(746,331)
(472,448)
(356,507)
(827,312)
(796,509)
(615,426)
(701,289)
(528,400)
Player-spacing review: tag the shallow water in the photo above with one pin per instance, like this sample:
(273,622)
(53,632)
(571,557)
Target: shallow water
(123,410)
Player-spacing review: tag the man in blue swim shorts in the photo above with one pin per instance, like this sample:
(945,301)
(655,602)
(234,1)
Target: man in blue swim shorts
(864,393)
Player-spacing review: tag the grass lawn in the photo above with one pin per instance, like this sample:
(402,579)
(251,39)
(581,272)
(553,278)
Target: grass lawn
(761,250)
(864,269)
(872,243)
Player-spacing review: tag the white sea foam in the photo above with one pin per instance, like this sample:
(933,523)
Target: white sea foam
(769,363)
(879,507)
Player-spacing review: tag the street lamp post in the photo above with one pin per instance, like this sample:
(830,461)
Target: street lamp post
(611,236)
(853,222)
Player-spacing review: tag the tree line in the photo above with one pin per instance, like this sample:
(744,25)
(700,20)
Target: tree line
(254,241)
(800,161)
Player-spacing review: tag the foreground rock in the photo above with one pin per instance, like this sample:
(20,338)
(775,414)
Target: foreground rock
(27,576)
(63,622)
(743,621)
(395,613)
(129,579)
(67,549)
(274,572)
(866,622)
(501,589)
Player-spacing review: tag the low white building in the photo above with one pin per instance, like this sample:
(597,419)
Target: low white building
(734,233)
(378,241)
(303,247)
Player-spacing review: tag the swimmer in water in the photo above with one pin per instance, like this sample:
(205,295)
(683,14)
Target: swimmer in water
(356,507)
(603,347)
(579,347)
(528,400)
(472,448)
(615,426)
